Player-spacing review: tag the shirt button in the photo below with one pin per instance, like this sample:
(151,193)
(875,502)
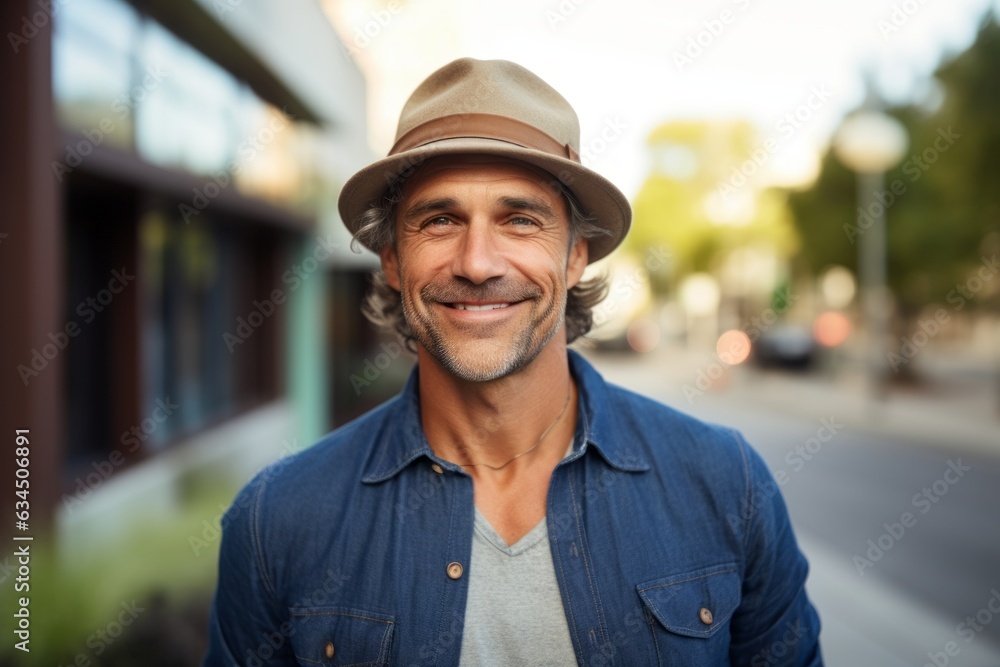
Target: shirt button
(455,570)
(706,616)
(436,468)
(329,650)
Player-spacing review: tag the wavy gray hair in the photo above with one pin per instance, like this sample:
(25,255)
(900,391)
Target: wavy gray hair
(383,306)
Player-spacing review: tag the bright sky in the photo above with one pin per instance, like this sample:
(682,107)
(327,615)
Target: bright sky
(621,63)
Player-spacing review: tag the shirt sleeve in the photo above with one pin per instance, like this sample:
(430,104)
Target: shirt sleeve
(247,626)
(775,624)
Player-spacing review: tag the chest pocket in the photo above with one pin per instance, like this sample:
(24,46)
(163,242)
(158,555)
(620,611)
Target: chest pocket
(692,612)
(340,636)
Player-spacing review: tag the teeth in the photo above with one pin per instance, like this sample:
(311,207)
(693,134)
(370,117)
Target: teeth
(489,306)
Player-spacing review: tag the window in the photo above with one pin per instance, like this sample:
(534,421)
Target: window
(168,103)
(198,282)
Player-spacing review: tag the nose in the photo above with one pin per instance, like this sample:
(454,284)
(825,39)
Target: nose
(478,256)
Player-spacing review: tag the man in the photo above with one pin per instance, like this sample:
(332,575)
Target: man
(508,507)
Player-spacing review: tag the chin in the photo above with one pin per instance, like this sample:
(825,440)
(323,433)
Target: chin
(482,360)
(473,363)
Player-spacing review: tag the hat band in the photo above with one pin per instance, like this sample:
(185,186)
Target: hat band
(483,126)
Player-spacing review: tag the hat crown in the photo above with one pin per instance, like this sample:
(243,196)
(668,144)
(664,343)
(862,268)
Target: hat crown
(496,87)
(496,108)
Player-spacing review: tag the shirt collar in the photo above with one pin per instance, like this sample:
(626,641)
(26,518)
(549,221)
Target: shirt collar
(404,441)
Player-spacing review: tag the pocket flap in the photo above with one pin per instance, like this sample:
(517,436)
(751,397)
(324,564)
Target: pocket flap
(341,636)
(696,603)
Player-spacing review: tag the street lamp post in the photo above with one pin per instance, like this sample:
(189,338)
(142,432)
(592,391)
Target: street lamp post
(870,143)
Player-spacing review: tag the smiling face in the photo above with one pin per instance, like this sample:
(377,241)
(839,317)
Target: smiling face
(483,264)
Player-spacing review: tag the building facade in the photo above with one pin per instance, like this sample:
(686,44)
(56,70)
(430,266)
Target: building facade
(172,261)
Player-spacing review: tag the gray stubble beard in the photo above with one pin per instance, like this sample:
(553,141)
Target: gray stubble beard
(523,350)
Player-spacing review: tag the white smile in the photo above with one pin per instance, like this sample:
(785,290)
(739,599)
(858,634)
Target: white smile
(488,306)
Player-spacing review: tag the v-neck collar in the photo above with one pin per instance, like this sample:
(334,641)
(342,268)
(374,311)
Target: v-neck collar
(533,537)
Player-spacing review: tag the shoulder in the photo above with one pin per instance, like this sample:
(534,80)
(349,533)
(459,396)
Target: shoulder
(632,426)
(670,437)
(693,462)
(633,431)
(322,476)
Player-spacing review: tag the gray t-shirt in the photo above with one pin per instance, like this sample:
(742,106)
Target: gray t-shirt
(514,615)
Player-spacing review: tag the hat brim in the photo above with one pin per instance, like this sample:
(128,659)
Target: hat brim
(598,197)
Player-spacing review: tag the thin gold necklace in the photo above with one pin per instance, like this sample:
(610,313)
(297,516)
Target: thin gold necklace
(537,442)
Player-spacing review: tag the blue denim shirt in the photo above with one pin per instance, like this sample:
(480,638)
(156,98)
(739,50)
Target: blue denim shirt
(670,541)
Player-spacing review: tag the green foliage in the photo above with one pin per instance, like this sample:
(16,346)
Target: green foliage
(948,214)
(685,206)
(154,566)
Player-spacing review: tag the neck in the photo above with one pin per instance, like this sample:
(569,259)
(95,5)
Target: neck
(512,423)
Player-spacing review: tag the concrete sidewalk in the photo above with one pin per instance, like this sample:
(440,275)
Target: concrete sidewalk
(962,416)
(866,623)
(962,419)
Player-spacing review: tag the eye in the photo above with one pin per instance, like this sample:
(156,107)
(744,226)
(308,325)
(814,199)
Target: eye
(521,221)
(439,221)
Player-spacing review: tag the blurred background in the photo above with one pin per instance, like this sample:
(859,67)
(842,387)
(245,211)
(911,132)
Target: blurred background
(814,260)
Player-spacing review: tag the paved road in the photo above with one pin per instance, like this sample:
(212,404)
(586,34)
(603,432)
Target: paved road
(939,556)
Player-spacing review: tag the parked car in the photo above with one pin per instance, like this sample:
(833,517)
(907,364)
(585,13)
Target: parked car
(786,346)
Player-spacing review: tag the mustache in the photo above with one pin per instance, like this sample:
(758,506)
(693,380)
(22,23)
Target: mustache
(500,290)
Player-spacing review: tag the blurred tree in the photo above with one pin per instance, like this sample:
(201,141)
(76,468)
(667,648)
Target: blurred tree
(703,200)
(945,213)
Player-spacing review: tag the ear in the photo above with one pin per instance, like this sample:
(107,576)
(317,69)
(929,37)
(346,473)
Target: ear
(577,262)
(390,265)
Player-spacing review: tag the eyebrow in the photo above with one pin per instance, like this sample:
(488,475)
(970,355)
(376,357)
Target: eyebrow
(532,205)
(424,206)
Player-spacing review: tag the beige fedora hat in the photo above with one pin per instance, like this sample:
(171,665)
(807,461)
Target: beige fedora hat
(492,107)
